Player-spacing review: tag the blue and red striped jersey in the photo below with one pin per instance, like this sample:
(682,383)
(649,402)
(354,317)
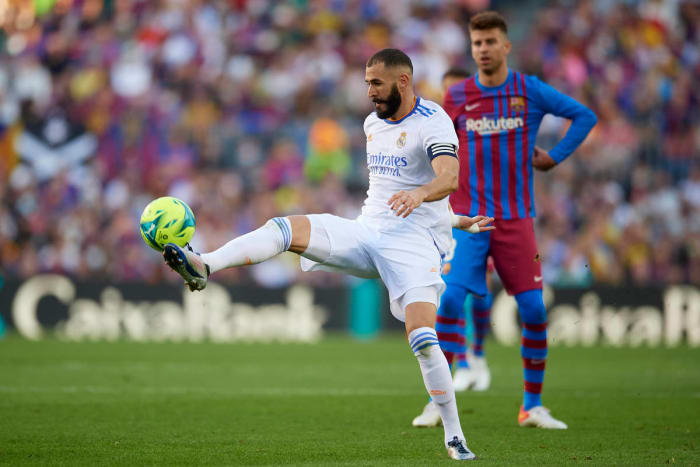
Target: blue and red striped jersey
(497,127)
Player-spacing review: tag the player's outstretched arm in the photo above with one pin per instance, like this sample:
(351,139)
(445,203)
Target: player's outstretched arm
(445,182)
(474,224)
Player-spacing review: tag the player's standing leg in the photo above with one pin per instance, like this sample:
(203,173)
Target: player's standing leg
(466,264)
(461,356)
(534,354)
(462,377)
(420,328)
(514,251)
(466,274)
(450,327)
(481,311)
(450,321)
(448,333)
(481,317)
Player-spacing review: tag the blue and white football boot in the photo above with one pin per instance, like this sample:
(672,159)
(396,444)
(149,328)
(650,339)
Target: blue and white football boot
(188,264)
(457,449)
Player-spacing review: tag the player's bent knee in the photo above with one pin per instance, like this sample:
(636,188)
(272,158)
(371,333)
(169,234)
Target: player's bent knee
(300,233)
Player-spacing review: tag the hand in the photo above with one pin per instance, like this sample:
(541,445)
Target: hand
(404,202)
(471,224)
(541,160)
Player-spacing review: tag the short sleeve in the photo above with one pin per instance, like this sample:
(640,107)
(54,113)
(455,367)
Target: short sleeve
(364,125)
(439,136)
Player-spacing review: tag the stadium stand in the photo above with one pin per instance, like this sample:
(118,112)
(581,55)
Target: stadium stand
(249,110)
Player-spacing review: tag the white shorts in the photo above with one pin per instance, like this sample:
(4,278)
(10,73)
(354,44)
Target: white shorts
(404,256)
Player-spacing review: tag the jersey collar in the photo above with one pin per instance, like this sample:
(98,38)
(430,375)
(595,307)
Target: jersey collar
(509,78)
(413,109)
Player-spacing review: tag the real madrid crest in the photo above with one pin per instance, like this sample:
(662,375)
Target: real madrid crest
(401,142)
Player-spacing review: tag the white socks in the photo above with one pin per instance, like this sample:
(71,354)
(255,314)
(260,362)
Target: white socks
(254,247)
(437,378)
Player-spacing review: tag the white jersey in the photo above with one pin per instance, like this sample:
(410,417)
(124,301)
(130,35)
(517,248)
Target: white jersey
(399,155)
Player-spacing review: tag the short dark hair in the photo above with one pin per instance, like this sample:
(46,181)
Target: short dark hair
(488,20)
(390,58)
(456,72)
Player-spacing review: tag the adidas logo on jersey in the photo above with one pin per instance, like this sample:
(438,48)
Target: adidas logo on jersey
(487,126)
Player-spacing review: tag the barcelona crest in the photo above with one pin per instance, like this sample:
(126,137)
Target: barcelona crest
(517,104)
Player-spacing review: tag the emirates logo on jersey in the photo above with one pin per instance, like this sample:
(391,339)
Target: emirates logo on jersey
(489,126)
(386,164)
(401,142)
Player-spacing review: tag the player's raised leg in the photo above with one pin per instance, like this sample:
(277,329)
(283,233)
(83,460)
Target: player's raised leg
(534,354)
(277,235)
(420,328)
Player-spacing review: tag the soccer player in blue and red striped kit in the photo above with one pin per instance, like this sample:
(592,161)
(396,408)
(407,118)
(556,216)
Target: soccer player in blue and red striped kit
(497,114)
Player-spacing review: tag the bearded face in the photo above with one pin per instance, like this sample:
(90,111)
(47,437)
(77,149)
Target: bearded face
(387,107)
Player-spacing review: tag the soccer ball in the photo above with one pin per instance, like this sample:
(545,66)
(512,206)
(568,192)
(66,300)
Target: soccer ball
(166,220)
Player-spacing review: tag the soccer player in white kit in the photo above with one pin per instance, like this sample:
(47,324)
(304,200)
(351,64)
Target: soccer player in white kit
(401,236)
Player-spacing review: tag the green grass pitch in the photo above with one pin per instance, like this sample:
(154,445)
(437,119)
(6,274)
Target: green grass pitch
(339,402)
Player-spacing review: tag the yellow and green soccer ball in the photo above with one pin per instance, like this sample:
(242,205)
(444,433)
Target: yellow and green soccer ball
(167,220)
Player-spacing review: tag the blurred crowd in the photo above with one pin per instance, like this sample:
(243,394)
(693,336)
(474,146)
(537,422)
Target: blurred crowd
(626,207)
(249,109)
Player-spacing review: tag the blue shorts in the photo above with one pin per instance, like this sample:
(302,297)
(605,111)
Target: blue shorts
(515,257)
(465,264)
